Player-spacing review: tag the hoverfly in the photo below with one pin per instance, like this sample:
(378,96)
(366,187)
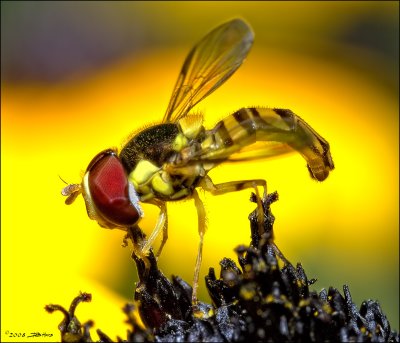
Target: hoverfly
(171,160)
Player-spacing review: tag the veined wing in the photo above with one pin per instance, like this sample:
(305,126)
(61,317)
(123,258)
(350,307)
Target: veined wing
(211,157)
(237,153)
(261,150)
(208,65)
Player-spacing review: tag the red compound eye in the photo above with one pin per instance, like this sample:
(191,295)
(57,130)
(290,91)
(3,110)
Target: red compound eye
(109,190)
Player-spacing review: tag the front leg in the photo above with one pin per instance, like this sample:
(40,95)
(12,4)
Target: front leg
(162,224)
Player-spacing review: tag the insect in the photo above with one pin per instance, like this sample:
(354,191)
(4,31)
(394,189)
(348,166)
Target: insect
(171,161)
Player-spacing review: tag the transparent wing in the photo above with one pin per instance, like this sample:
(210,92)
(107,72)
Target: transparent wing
(209,64)
(235,153)
(261,150)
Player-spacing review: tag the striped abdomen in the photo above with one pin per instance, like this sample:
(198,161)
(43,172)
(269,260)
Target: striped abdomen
(281,128)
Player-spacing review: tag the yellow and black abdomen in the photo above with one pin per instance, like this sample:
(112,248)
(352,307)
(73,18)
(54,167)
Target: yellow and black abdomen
(281,128)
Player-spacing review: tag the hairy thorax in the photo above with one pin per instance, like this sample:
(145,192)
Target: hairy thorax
(156,163)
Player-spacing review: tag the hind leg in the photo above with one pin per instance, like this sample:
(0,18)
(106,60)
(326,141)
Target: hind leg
(218,189)
(234,186)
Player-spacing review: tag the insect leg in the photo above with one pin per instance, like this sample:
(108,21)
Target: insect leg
(201,216)
(163,209)
(162,224)
(239,185)
(234,186)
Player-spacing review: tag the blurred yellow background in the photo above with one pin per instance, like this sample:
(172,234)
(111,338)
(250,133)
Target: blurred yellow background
(79,77)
